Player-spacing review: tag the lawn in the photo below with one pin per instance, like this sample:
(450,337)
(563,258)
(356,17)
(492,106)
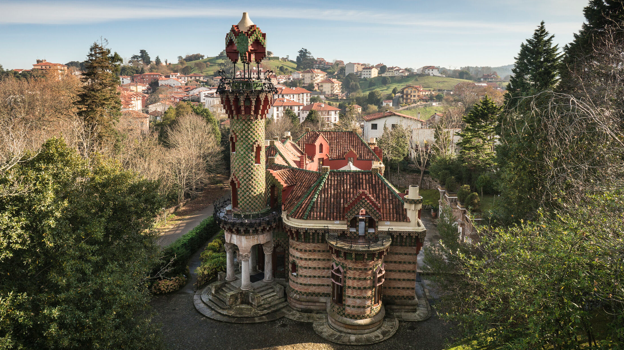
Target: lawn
(214,65)
(425,112)
(430,197)
(427,82)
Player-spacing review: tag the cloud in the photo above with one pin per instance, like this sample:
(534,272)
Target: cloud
(66,13)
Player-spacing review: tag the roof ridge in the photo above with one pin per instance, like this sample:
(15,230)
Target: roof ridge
(281,155)
(367,146)
(305,195)
(316,193)
(389,185)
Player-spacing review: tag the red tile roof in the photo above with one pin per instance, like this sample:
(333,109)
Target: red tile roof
(340,143)
(324,196)
(318,106)
(388,114)
(283,102)
(292,91)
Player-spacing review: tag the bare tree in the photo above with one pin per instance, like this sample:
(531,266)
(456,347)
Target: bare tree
(276,128)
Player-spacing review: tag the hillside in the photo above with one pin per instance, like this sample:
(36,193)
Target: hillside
(427,82)
(214,63)
(425,112)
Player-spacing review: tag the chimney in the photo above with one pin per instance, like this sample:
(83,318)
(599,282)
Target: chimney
(271,160)
(324,169)
(307,129)
(287,136)
(276,138)
(372,143)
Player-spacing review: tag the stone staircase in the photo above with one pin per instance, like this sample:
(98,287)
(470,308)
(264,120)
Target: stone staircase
(229,300)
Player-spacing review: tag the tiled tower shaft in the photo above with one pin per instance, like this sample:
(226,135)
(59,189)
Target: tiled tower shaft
(250,134)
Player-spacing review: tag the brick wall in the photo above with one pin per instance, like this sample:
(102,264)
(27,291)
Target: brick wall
(313,260)
(358,289)
(400,264)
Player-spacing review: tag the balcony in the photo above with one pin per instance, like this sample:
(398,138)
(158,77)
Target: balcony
(359,243)
(244,224)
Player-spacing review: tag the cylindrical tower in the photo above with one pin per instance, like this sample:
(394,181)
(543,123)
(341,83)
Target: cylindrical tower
(247,97)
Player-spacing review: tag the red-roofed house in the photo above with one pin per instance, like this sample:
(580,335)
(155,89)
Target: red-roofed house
(146,78)
(281,104)
(133,121)
(49,67)
(369,72)
(325,111)
(170,82)
(330,87)
(313,76)
(297,94)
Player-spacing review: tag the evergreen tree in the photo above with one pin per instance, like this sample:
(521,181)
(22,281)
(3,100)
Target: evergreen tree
(145,57)
(158,61)
(98,103)
(536,68)
(598,15)
(478,137)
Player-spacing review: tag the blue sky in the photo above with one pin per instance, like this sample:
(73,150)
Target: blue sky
(448,33)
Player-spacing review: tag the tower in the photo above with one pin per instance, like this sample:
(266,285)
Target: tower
(247,98)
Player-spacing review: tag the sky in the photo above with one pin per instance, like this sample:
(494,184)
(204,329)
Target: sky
(415,33)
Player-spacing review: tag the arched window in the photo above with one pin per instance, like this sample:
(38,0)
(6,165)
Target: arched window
(233,143)
(337,284)
(234,194)
(379,276)
(321,148)
(293,268)
(258,151)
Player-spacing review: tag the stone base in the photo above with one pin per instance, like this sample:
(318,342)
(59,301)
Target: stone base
(351,326)
(302,305)
(386,330)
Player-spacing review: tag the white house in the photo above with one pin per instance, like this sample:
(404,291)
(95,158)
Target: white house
(430,70)
(280,106)
(313,76)
(353,68)
(330,87)
(297,94)
(125,79)
(369,72)
(386,103)
(211,100)
(296,75)
(325,111)
(169,82)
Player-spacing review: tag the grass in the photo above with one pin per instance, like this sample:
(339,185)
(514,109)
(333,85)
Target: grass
(487,202)
(430,197)
(425,112)
(215,62)
(427,82)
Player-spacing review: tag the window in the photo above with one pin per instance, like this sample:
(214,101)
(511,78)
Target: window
(373,126)
(234,194)
(321,148)
(379,276)
(293,268)
(350,159)
(258,154)
(394,126)
(337,284)
(233,143)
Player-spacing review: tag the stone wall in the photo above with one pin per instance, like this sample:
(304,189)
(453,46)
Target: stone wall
(405,179)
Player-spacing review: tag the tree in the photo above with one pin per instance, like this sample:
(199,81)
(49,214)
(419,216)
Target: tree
(599,14)
(294,119)
(548,284)
(383,69)
(200,66)
(347,120)
(158,62)
(464,74)
(385,80)
(145,58)
(478,137)
(305,60)
(394,91)
(439,97)
(193,57)
(536,68)
(395,144)
(187,70)
(76,247)
(98,103)
(312,117)
(374,98)
(421,155)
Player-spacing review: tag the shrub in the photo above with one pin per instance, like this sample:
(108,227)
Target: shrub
(445,174)
(168,285)
(485,183)
(181,250)
(473,202)
(451,184)
(463,192)
(214,260)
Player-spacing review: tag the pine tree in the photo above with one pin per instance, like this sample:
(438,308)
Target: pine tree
(478,137)
(598,14)
(98,103)
(536,68)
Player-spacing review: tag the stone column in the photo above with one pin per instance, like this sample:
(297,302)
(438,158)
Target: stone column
(230,269)
(246,281)
(268,261)
(253,261)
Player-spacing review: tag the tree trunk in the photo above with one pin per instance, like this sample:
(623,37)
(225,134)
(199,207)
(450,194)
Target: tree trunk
(422,174)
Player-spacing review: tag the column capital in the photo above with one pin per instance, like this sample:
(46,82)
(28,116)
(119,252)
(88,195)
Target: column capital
(229,247)
(268,247)
(244,256)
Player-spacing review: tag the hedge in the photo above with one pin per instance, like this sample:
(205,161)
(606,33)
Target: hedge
(184,247)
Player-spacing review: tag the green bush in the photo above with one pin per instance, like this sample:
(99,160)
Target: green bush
(473,202)
(450,184)
(442,176)
(464,191)
(182,249)
(213,259)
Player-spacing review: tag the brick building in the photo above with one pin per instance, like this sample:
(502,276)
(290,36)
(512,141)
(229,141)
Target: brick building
(309,234)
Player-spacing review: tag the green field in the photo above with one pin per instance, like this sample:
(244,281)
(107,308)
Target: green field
(426,82)
(214,65)
(425,112)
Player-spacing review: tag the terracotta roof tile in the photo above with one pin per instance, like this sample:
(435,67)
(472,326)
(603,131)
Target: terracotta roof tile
(388,114)
(318,106)
(340,142)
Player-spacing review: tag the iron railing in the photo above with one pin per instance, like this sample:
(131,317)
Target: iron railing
(359,242)
(244,221)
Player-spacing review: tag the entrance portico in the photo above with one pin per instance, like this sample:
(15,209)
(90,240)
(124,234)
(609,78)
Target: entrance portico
(245,244)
